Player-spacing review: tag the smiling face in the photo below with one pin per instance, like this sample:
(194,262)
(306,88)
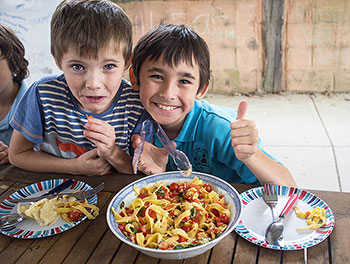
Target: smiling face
(168,92)
(94,82)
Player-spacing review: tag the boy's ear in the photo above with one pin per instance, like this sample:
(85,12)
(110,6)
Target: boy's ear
(128,63)
(133,79)
(200,95)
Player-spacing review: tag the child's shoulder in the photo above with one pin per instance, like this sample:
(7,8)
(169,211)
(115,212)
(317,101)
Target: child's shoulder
(49,79)
(216,111)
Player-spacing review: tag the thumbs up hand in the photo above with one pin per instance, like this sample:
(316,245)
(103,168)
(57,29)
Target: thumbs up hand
(244,134)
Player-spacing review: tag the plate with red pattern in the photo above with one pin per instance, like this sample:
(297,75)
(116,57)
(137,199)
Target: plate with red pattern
(29,228)
(256,216)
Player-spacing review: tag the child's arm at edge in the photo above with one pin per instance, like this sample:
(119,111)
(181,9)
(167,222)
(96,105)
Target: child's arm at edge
(23,155)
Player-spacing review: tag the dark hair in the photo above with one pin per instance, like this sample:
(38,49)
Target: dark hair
(88,26)
(177,43)
(13,51)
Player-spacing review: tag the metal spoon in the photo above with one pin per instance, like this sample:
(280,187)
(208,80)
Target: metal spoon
(275,229)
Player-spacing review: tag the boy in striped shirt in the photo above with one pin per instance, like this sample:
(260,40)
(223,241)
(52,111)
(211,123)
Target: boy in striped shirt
(80,122)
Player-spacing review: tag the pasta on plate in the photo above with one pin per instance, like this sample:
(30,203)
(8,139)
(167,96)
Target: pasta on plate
(175,216)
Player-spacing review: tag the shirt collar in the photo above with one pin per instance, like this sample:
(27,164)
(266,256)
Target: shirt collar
(189,128)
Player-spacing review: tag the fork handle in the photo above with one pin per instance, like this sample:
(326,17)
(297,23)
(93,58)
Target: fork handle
(291,201)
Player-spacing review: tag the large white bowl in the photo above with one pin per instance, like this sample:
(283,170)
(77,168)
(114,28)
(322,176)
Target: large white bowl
(127,195)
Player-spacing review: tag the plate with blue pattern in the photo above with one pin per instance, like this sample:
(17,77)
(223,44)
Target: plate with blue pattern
(256,216)
(29,228)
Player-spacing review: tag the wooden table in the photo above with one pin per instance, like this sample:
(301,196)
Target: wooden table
(93,242)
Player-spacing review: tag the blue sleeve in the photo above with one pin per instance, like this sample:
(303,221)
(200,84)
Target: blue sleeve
(28,117)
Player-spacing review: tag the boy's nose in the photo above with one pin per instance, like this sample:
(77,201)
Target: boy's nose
(93,80)
(168,91)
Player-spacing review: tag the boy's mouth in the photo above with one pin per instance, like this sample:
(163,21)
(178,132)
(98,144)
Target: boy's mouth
(95,99)
(166,107)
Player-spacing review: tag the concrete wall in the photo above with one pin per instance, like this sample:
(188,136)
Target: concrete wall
(315,44)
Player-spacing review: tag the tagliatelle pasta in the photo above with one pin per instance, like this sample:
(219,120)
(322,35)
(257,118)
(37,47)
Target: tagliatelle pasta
(174,216)
(314,219)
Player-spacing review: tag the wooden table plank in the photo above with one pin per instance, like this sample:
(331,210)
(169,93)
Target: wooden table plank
(126,254)
(295,256)
(223,252)
(37,250)
(246,252)
(200,259)
(171,261)
(318,253)
(106,248)
(269,256)
(91,237)
(340,240)
(4,186)
(15,250)
(144,259)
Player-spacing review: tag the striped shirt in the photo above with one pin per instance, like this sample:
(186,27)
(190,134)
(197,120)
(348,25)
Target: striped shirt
(50,117)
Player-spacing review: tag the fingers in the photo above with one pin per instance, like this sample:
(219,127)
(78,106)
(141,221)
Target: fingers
(242,109)
(99,130)
(136,141)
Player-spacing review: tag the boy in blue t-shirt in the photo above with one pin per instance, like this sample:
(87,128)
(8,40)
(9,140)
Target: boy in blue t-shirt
(80,122)
(171,68)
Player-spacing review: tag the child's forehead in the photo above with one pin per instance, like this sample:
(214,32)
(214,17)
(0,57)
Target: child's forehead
(174,61)
(110,49)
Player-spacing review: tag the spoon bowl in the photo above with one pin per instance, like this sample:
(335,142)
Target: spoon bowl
(275,229)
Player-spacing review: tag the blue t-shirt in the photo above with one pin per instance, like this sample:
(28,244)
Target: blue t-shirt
(50,117)
(205,139)
(5,128)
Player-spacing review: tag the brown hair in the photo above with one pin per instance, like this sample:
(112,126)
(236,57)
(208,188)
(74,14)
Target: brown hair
(89,26)
(177,43)
(13,51)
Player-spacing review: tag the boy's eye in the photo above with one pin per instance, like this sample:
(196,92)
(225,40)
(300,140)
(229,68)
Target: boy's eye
(109,66)
(77,67)
(185,82)
(156,76)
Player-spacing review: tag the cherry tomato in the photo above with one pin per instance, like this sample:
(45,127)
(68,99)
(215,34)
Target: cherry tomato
(174,187)
(75,215)
(163,245)
(122,227)
(207,187)
(152,214)
(143,229)
(186,228)
(215,212)
(181,239)
(225,219)
(142,194)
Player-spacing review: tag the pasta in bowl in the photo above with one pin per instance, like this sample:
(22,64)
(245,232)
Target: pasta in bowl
(171,216)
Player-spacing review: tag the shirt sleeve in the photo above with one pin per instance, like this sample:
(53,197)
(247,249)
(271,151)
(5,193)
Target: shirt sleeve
(28,117)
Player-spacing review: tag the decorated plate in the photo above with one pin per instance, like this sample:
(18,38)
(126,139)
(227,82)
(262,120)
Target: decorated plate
(29,228)
(256,216)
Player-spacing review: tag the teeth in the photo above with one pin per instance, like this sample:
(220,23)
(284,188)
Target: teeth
(167,107)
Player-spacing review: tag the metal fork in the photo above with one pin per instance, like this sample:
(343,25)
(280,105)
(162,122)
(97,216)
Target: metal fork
(80,195)
(271,198)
